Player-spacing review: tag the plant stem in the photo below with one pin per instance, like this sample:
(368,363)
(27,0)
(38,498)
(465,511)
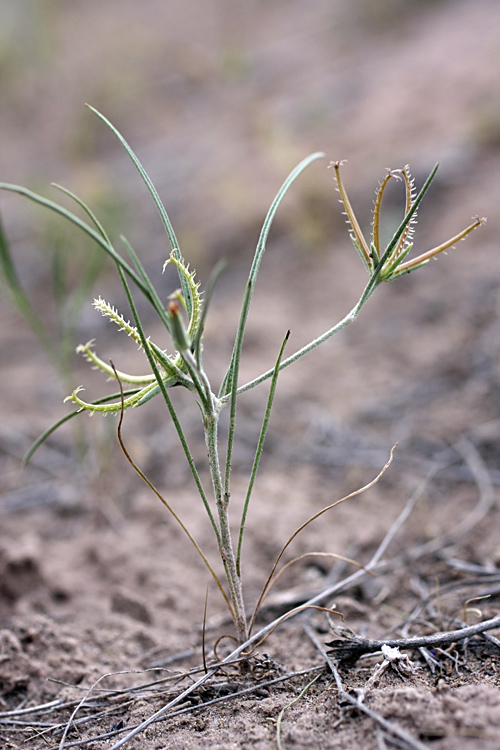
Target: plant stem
(352,315)
(226,549)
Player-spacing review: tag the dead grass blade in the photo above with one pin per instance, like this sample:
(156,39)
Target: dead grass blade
(359,491)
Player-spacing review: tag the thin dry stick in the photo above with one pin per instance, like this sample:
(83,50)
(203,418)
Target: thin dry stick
(42,707)
(352,650)
(113,693)
(128,694)
(50,728)
(71,721)
(201,706)
(375,561)
(343,695)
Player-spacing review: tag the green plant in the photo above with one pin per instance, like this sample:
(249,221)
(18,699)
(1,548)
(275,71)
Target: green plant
(70,288)
(71,278)
(184,317)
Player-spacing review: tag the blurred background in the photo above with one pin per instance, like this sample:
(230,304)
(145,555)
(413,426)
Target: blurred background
(220,99)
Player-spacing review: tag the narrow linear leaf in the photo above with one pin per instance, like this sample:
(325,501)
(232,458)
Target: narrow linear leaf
(170,407)
(21,299)
(259,253)
(154,194)
(92,233)
(95,221)
(230,380)
(43,437)
(289,705)
(152,293)
(258,452)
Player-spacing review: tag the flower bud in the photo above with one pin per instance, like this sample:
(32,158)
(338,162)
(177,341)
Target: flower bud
(177,328)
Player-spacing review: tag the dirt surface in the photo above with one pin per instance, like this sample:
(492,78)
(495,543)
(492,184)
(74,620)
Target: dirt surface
(101,597)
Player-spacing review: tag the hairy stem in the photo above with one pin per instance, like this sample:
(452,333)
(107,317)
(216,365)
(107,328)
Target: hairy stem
(226,549)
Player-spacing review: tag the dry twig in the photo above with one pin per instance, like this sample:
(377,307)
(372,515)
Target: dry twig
(351,650)
(357,702)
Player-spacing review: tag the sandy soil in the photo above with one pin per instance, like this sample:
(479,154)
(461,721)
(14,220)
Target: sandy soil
(101,598)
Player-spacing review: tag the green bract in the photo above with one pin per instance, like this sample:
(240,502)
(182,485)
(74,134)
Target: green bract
(172,368)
